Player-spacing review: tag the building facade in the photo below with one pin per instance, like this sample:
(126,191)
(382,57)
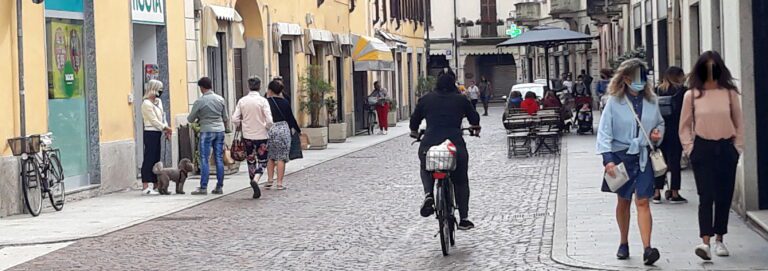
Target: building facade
(675,33)
(83,66)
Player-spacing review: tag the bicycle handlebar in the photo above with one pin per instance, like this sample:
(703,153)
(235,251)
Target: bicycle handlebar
(472,132)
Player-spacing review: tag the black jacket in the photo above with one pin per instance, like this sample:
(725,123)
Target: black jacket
(444,112)
(672,122)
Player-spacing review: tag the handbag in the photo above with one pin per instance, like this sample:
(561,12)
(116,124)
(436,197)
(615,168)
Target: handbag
(228,161)
(295,151)
(237,150)
(656,156)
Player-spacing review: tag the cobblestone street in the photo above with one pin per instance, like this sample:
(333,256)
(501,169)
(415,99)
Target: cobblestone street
(358,212)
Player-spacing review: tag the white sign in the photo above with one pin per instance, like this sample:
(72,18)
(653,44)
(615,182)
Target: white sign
(448,54)
(148,11)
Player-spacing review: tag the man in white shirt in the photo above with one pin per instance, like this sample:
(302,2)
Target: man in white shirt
(253,117)
(473,93)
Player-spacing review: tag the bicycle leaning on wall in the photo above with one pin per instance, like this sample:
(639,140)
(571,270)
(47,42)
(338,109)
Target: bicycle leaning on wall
(40,171)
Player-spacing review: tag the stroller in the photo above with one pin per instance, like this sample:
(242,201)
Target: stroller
(584,118)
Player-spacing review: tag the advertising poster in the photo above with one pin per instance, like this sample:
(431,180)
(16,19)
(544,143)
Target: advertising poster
(68,78)
(151,72)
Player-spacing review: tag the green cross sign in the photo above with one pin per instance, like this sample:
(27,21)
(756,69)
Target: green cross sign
(514,31)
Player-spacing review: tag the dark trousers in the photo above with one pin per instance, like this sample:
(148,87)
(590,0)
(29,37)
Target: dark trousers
(474,104)
(672,156)
(459,178)
(152,148)
(714,167)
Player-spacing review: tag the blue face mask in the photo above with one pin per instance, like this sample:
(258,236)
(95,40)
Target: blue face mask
(637,86)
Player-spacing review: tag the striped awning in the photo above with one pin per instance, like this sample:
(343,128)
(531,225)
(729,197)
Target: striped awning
(371,54)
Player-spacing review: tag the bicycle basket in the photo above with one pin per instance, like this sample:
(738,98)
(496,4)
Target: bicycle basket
(372,100)
(22,145)
(440,160)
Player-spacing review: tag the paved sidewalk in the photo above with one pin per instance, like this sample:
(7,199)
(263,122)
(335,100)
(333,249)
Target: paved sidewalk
(588,236)
(105,214)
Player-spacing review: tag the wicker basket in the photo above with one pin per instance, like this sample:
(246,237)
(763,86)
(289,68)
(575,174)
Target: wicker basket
(22,145)
(440,160)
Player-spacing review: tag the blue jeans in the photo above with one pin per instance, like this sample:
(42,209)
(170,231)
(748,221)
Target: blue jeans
(208,140)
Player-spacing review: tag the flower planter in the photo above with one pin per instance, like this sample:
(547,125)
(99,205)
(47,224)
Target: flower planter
(318,137)
(337,132)
(392,118)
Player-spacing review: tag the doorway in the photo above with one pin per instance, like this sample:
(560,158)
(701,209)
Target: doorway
(360,84)
(663,47)
(285,59)
(760,43)
(217,67)
(145,60)
(339,90)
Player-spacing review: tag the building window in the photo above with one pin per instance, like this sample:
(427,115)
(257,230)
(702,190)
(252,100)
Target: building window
(489,18)
(636,13)
(648,11)
(662,9)
(320,2)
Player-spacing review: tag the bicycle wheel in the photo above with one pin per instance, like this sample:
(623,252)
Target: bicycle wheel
(371,122)
(451,218)
(56,182)
(31,184)
(443,220)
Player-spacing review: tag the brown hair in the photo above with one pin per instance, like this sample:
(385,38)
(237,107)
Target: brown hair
(617,87)
(720,73)
(673,77)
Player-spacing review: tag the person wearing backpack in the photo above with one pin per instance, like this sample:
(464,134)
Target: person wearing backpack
(671,92)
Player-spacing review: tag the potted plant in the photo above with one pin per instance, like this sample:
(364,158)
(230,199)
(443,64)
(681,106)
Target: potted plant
(392,115)
(425,85)
(337,130)
(312,103)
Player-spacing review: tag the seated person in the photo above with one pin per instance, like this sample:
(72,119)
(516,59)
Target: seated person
(530,104)
(551,100)
(515,99)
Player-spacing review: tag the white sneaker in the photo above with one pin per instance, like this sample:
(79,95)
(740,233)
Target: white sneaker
(385,132)
(721,250)
(703,251)
(149,191)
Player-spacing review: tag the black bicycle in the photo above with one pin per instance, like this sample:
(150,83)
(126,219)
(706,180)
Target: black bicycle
(40,172)
(440,162)
(371,116)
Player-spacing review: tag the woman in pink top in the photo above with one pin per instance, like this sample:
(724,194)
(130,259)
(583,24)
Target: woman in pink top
(711,133)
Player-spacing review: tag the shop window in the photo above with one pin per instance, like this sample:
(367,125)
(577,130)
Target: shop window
(217,69)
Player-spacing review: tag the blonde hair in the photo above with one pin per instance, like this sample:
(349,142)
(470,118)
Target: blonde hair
(153,88)
(618,88)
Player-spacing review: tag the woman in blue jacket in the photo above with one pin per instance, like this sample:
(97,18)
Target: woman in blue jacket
(620,141)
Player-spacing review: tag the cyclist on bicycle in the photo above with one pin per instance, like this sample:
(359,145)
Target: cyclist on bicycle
(444,109)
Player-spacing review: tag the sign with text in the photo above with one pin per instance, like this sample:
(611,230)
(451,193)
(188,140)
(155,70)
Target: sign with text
(148,11)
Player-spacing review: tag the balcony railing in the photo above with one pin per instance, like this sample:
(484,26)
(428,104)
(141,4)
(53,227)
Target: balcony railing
(527,12)
(597,11)
(483,31)
(560,7)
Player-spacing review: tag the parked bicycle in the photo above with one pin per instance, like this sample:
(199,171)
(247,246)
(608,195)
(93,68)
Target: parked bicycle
(40,171)
(371,116)
(440,164)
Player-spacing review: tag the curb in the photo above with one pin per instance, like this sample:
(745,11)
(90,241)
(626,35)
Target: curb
(191,205)
(560,237)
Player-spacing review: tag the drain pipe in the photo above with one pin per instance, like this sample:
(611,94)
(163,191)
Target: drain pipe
(270,44)
(20,43)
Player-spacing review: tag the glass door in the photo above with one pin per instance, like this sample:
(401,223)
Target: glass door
(67,114)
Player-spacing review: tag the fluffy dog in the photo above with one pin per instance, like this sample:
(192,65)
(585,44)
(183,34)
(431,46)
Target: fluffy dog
(177,175)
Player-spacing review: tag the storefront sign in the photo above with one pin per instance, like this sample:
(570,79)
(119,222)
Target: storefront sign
(67,55)
(148,11)
(64,5)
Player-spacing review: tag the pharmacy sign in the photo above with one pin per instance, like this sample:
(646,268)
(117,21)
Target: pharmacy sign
(148,11)
(514,31)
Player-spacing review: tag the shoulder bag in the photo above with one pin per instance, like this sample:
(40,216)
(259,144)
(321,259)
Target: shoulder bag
(656,156)
(237,150)
(295,151)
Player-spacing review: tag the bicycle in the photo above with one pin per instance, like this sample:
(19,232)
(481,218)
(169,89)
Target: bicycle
(371,106)
(40,171)
(440,164)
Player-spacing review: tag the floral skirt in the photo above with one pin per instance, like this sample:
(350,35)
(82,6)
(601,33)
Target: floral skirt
(279,143)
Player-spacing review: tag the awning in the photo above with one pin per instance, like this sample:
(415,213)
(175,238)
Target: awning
(211,16)
(280,30)
(392,40)
(342,45)
(318,35)
(371,54)
(486,50)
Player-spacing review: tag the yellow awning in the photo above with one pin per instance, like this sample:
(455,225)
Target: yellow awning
(371,54)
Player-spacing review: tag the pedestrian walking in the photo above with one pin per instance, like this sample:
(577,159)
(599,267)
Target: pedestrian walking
(155,126)
(279,143)
(382,107)
(602,86)
(473,94)
(209,111)
(671,92)
(587,79)
(486,92)
(711,132)
(253,116)
(631,109)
